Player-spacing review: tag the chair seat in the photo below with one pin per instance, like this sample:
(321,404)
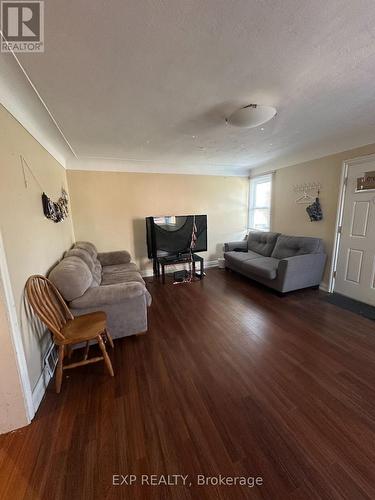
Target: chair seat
(85,327)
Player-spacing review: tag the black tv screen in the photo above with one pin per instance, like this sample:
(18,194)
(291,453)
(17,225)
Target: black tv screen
(172,234)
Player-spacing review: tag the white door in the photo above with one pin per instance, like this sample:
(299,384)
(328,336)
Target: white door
(355,271)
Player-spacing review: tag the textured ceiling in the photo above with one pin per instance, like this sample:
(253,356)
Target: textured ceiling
(145,84)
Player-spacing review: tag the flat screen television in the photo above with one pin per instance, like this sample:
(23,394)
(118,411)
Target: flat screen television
(172,234)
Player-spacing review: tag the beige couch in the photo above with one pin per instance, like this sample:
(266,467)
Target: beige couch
(91,281)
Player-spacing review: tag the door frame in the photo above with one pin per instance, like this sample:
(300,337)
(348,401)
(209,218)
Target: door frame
(15,332)
(353,162)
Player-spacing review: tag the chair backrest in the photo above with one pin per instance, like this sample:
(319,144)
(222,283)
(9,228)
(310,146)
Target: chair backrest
(48,304)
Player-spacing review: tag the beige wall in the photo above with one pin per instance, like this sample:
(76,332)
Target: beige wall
(32,243)
(291,218)
(109,208)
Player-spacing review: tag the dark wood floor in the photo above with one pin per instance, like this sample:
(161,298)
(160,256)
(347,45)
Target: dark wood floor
(231,379)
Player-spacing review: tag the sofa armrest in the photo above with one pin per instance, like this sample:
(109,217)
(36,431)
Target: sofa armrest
(109,294)
(232,245)
(301,271)
(112,258)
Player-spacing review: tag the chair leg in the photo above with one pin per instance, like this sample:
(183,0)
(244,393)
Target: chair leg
(59,369)
(110,340)
(107,361)
(86,353)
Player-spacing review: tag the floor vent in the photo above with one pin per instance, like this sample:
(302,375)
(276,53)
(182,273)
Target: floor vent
(50,360)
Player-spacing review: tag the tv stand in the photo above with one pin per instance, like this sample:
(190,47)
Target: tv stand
(182,258)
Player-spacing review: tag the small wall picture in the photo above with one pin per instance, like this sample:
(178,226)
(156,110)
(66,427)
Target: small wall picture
(366,182)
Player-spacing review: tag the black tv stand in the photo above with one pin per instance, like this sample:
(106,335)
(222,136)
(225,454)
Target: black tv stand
(181,258)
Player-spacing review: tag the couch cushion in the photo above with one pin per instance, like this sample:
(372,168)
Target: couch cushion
(262,242)
(97,272)
(121,273)
(121,277)
(72,277)
(89,247)
(91,250)
(265,267)
(237,258)
(289,246)
(82,254)
(129,266)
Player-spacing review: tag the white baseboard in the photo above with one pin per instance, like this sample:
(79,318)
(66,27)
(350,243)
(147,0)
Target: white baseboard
(323,287)
(49,363)
(178,267)
(146,273)
(40,388)
(211,263)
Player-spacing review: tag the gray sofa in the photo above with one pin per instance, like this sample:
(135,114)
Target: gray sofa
(91,281)
(284,263)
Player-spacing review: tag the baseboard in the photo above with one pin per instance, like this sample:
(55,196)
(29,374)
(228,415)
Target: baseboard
(40,388)
(324,287)
(49,364)
(145,273)
(211,263)
(178,267)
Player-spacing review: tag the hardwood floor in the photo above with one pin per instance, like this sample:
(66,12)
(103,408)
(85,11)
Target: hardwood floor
(231,379)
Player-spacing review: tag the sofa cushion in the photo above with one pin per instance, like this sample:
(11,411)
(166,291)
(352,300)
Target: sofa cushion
(265,267)
(130,266)
(108,295)
(72,277)
(289,246)
(97,273)
(82,254)
(91,250)
(89,247)
(113,258)
(262,242)
(237,258)
(121,273)
(121,277)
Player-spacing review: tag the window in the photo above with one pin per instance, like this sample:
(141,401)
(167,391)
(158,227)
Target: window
(260,202)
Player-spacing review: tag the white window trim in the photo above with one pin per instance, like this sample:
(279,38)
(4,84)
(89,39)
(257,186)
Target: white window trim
(252,184)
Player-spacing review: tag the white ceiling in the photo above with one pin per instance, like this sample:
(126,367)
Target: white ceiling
(145,85)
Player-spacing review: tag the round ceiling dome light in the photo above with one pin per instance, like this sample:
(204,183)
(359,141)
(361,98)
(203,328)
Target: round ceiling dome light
(251,116)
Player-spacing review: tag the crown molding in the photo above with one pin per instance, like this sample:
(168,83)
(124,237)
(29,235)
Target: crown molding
(19,96)
(98,164)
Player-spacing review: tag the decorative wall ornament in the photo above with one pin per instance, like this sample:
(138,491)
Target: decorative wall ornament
(310,196)
(56,211)
(315,211)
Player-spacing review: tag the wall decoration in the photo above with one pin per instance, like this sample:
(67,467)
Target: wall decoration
(307,190)
(56,211)
(311,192)
(315,211)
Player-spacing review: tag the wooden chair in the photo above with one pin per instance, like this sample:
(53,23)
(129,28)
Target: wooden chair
(66,329)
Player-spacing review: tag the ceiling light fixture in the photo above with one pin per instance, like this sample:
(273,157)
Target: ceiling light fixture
(251,116)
